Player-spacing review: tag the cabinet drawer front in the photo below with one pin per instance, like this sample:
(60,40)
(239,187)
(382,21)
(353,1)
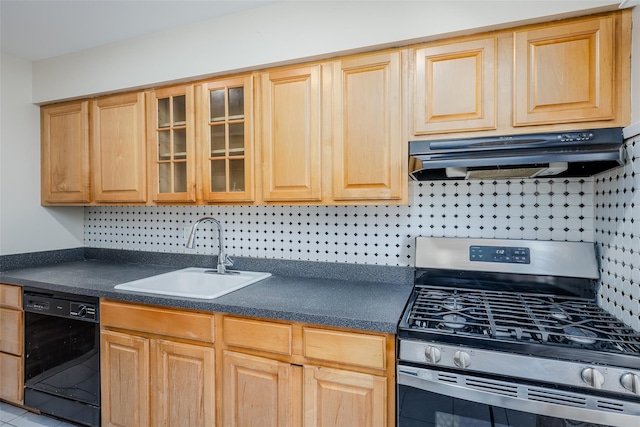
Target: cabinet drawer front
(10,296)
(257,335)
(345,348)
(11,386)
(11,331)
(179,324)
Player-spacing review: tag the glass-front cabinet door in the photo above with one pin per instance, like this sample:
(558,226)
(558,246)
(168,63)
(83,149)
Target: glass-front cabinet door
(225,139)
(171,141)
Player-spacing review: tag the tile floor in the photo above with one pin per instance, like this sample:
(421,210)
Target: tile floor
(13,416)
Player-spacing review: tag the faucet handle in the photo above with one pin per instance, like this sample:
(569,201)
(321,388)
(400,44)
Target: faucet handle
(227,262)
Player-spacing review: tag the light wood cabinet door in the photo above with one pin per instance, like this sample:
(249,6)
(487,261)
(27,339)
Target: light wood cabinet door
(337,398)
(124,365)
(64,153)
(564,72)
(11,331)
(184,381)
(369,157)
(259,392)
(12,384)
(290,138)
(171,144)
(455,86)
(11,296)
(118,165)
(225,126)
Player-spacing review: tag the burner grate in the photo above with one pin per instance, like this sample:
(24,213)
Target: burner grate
(523,317)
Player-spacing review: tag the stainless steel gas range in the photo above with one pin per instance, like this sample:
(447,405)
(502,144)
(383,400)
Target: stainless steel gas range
(507,333)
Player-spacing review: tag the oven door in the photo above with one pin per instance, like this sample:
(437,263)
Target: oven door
(431,398)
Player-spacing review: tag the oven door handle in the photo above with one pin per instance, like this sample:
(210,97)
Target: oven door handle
(522,397)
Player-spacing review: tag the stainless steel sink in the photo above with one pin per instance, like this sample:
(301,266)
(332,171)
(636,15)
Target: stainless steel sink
(194,282)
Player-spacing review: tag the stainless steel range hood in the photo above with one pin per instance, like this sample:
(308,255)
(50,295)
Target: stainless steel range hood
(573,153)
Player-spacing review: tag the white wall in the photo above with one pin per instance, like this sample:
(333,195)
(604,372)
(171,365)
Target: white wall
(278,33)
(25,226)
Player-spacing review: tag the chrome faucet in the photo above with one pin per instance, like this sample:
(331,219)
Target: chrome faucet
(223,260)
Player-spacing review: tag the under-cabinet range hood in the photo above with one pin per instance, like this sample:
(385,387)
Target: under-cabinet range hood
(562,154)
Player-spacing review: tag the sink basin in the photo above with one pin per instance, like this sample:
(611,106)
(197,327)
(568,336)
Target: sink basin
(194,282)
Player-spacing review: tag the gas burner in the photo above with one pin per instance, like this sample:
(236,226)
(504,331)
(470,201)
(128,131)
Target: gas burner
(453,303)
(454,321)
(558,313)
(580,335)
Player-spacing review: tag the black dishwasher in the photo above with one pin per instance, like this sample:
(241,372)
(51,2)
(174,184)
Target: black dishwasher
(62,355)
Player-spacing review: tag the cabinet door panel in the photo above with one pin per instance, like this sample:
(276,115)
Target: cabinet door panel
(185,381)
(455,87)
(65,153)
(290,136)
(11,331)
(124,366)
(226,139)
(12,384)
(564,73)
(368,157)
(119,155)
(340,398)
(258,392)
(171,144)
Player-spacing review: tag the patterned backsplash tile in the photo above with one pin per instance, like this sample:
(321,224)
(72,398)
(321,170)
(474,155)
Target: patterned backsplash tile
(617,234)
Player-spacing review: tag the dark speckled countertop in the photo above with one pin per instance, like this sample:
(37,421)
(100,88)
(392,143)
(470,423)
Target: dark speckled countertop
(374,303)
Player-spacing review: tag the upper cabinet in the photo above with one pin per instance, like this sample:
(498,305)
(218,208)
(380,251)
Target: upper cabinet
(565,75)
(369,156)
(65,153)
(334,131)
(118,164)
(455,86)
(565,72)
(225,138)
(171,144)
(290,108)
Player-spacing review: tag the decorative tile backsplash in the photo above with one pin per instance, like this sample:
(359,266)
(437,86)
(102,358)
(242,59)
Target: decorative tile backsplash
(617,234)
(522,209)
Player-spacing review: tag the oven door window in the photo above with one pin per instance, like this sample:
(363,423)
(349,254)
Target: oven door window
(420,408)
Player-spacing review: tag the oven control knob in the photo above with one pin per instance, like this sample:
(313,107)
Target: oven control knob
(462,359)
(593,377)
(432,354)
(631,382)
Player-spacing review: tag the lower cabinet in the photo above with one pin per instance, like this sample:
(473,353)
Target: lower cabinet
(155,380)
(11,344)
(246,372)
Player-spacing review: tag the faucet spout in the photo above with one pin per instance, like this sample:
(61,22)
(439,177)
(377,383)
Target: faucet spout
(223,260)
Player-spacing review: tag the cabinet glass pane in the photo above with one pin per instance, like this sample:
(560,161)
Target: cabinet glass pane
(164,113)
(164,145)
(218,176)
(164,178)
(180,177)
(179,111)
(217,105)
(180,144)
(236,139)
(236,103)
(236,175)
(217,140)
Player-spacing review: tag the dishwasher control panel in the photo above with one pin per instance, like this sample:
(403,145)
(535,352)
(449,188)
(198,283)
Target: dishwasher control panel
(61,305)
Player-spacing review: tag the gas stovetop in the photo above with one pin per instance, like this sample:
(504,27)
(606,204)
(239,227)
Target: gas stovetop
(567,326)
(533,298)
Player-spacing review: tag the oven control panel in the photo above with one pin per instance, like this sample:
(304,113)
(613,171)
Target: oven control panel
(503,254)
